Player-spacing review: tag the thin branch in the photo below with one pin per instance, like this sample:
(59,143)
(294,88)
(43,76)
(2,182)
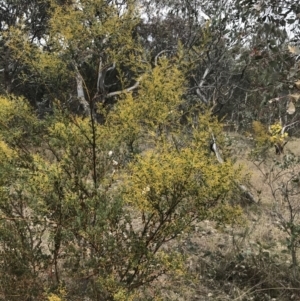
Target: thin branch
(124,90)
(159,54)
(200,85)
(206,72)
(288,125)
(215,149)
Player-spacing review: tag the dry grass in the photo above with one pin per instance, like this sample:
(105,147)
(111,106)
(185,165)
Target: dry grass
(242,262)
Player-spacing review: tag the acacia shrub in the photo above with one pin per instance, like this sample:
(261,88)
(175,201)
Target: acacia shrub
(84,213)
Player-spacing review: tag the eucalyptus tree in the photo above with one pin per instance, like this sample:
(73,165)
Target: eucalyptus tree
(214,48)
(235,54)
(272,28)
(245,61)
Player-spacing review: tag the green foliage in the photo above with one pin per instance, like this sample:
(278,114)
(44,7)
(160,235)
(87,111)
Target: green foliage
(96,207)
(90,209)
(83,38)
(136,117)
(77,200)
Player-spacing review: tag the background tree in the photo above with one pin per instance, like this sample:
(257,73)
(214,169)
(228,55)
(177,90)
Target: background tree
(235,67)
(272,30)
(86,56)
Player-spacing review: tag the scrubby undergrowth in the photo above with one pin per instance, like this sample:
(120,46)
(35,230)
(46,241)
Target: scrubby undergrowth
(252,261)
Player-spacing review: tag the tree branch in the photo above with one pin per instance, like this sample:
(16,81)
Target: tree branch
(80,92)
(288,125)
(125,90)
(102,74)
(200,85)
(159,54)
